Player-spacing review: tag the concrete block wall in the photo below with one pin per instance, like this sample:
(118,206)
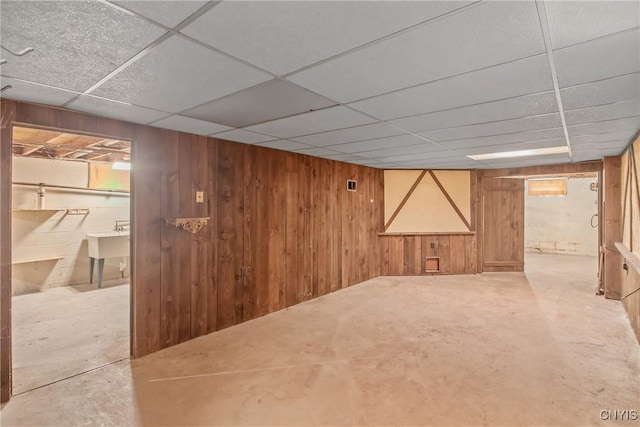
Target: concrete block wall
(562,224)
(51,233)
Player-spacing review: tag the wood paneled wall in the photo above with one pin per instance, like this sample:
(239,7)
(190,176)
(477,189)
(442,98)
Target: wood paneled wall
(405,254)
(282,229)
(612,231)
(630,233)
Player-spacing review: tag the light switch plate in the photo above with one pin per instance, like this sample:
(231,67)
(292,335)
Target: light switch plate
(199,196)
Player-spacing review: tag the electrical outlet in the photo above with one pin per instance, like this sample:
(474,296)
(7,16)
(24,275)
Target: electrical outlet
(199,196)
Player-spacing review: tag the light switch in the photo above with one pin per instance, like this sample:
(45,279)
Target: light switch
(199,196)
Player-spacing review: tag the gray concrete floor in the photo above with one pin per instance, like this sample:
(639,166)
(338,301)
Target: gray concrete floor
(490,349)
(67,330)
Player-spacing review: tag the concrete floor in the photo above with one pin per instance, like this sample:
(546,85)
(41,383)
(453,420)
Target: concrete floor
(67,330)
(490,349)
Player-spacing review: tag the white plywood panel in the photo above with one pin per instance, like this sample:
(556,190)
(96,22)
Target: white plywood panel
(358,133)
(599,59)
(512,108)
(179,74)
(32,92)
(50,171)
(284,36)
(523,77)
(624,88)
(187,124)
(115,110)
(524,124)
(168,13)
(314,122)
(245,136)
(75,43)
(480,36)
(617,110)
(574,22)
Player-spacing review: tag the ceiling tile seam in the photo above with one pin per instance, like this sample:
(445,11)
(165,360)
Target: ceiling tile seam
(124,65)
(628,101)
(546,35)
(628,30)
(384,38)
(602,80)
(470,105)
(510,143)
(206,7)
(488,122)
(367,98)
(605,120)
(500,134)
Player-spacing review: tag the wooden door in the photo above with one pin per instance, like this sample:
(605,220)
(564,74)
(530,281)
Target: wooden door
(502,224)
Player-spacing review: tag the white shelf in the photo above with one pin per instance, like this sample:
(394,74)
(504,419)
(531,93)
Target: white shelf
(39,210)
(25,261)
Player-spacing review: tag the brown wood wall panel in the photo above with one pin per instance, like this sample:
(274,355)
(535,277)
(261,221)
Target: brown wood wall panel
(7,111)
(282,229)
(612,226)
(404,255)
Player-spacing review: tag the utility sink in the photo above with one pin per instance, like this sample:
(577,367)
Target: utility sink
(108,245)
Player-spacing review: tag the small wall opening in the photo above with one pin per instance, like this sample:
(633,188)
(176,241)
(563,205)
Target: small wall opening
(432,264)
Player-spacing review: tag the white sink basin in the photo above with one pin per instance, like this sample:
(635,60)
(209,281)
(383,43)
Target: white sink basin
(108,245)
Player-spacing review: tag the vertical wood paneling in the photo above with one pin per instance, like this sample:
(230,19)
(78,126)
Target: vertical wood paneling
(239,267)
(444,249)
(612,226)
(146,237)
(7,115)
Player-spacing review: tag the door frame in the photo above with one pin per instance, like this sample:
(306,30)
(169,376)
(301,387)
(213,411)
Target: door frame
(50,118)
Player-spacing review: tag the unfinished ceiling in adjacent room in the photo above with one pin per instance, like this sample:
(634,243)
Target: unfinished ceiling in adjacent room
(386,84)
(30,142)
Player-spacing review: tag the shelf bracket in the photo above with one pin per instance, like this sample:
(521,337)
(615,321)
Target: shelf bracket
(192,225)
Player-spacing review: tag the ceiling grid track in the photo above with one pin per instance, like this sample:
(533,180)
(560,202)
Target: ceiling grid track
(546,34)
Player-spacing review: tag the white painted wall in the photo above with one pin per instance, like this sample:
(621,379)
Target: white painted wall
(43,234)
(562,224)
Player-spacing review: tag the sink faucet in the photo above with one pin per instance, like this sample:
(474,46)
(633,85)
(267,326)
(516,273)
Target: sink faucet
(121,225)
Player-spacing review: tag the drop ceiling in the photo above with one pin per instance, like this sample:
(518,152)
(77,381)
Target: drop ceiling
(415,84)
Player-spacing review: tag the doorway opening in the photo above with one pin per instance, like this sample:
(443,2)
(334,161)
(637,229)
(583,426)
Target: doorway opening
(562,225)
(70,246)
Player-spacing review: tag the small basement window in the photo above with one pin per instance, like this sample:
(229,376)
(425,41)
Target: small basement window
(351,185)
(547,187)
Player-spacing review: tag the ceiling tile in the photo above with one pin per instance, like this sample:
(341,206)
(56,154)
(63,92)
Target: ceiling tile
(580,140)
(632,124)
(617,89)
(33,92)
(608,145)
(267,101)
(75,43)
(377,144)
(314,122)
(529,161)
(544,121)
(425,147)
(521,106)
(318,151)
(618,110)
(599,59)
(511,138)
(415,157)
(512,147)
(358,133)
(523,77)
(187,124)
(283,144)
(594,155)
(479,36)
(178,74)
(115,110)
(343,157)
(244,136)
(284,36)
(168,13)
(574,22)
